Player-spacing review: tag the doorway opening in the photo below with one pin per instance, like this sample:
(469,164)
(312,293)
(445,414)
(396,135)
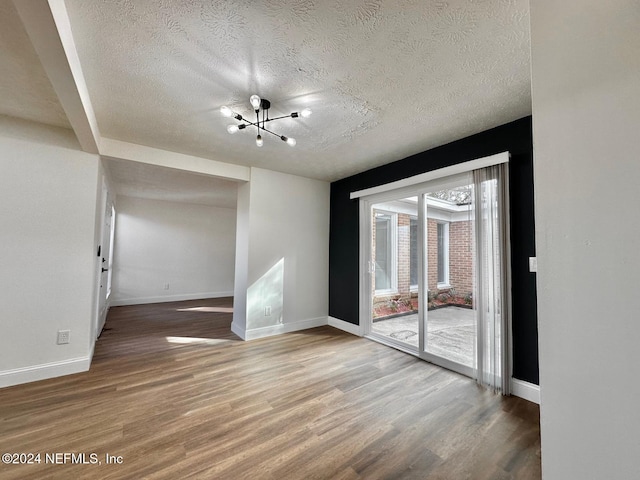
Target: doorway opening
(105,256)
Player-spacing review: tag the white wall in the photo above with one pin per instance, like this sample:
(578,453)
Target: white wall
(586,118)
(48,190)
(287,218)
(190,247)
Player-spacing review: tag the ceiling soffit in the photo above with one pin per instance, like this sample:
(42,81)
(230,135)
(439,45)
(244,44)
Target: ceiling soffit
(25,89)
(153,182)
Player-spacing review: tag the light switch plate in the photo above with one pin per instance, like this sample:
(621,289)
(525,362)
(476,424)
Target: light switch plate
(533,264)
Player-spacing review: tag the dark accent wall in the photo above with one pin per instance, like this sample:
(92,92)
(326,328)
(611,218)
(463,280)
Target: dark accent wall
(515,137)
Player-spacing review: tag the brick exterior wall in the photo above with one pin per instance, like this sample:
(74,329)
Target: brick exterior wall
(404,252)
(432,254)
(460,257)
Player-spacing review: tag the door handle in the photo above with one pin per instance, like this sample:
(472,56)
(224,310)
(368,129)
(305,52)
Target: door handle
(105,270)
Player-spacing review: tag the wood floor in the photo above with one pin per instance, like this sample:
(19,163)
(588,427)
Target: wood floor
(174,393)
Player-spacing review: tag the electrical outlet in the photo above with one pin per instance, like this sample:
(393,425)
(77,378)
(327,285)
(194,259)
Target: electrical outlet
(166,286)
(267,311)
(63,336)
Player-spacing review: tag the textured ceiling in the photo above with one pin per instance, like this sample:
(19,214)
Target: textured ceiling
(25,90)
(158,183)
(385,78)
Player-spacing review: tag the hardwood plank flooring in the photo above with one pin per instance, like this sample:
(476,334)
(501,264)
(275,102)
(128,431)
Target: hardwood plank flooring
(177,395)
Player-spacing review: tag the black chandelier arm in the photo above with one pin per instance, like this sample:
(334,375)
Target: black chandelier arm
(248,123)
(272,133)
(291,115)
(259,123)
(259,127)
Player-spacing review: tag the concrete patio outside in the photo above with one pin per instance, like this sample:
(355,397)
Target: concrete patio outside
(450,332)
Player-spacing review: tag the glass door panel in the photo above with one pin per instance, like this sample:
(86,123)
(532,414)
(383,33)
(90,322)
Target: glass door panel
(394,252)
(449,317)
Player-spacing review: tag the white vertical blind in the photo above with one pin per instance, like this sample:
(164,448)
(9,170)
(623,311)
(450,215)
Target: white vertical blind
(491,296)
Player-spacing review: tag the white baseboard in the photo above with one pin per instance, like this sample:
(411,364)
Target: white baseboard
(526,390)
(44,371)
(169,298)
(252,334)
(239,331)
(346,326)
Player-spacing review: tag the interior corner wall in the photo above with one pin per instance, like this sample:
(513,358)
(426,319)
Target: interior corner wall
(287,223)
(47,260)
(514,137)
(171,251)
(586,112)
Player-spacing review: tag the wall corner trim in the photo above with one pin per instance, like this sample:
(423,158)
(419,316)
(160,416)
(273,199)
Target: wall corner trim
(526,390)
(345,326)
(44,371)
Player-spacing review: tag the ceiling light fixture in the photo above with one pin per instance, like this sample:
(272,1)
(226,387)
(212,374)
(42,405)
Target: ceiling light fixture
(261,105)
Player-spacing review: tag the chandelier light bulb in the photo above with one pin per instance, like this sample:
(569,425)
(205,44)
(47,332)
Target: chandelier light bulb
(306,112)
(232,128)
(259,141)
(255,101)
(290,141)
(226,111)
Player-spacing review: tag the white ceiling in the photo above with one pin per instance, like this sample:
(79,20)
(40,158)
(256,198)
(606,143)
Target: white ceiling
(385,79)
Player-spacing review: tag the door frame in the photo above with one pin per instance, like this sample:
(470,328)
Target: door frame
(416,186)
(102,304)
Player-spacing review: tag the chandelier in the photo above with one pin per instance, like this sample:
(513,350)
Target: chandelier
(261,105)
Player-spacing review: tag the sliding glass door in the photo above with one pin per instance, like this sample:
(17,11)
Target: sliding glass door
(434,280)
